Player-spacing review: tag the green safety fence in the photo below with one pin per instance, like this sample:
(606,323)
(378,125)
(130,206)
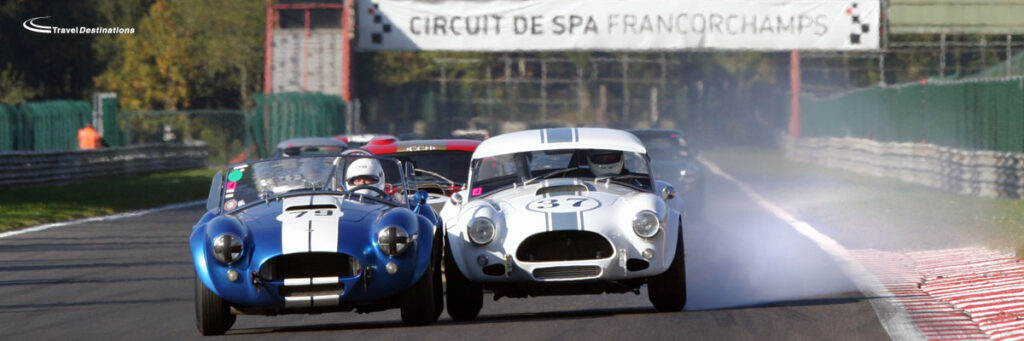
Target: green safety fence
(112,129)
(40,126)
(980,114)
(6,128)
(282,116)
(53,125)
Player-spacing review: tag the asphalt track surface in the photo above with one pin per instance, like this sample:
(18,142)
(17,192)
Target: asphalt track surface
(750,276)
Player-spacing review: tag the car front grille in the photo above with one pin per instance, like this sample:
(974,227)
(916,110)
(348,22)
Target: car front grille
(312,290)
(308,265)
(558,246)
(567,272)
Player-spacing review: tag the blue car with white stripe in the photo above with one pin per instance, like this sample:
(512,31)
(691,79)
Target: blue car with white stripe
(289,235)
(562,211)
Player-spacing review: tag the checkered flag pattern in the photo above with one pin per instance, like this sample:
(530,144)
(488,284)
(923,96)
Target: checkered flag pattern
(858,28)
(380,23)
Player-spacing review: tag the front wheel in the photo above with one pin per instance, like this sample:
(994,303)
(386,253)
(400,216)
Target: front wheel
(213,314)
(667,291)
(420,303)
(464,298)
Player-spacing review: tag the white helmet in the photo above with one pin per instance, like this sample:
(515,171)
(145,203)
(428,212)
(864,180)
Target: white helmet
(605,162)
(365,168)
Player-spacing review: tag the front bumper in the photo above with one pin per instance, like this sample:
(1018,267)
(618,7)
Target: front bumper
(497,263)
(369,284)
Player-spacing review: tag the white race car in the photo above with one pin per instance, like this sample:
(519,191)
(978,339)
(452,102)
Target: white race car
(562,211)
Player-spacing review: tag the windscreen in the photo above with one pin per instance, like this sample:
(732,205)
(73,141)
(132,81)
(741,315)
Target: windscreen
(495,173)
(267,179)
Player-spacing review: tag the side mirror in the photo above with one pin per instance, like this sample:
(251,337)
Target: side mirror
(666,190)
(457,199)
(420,197)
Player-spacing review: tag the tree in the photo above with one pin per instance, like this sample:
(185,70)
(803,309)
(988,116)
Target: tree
(155,65)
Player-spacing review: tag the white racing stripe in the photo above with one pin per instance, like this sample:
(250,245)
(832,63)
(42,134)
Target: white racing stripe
(102,218)
(891,314)
(309,230)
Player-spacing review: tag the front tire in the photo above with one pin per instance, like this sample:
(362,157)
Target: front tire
(419,303)
(667,291)
(464,298)
(213,314)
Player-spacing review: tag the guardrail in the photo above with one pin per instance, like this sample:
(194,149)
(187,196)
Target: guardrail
(969,172)
(19,169)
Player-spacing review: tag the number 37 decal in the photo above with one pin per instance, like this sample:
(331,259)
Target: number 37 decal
(563,204)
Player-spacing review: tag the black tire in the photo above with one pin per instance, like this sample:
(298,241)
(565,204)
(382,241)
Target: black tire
(667,291)
(464,298)
(438,280)
(213,314)
(419,303)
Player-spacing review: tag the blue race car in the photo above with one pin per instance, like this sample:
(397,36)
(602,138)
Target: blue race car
(314,234)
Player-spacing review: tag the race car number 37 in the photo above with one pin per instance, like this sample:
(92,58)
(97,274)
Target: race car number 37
(563,204)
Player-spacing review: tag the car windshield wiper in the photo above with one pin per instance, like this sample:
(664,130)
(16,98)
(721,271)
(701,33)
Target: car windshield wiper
(435,175)
(548,175)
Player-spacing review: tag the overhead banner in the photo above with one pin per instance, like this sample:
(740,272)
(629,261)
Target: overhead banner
(530,25)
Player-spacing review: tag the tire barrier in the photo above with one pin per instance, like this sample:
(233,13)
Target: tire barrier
(21,169)
(969,172)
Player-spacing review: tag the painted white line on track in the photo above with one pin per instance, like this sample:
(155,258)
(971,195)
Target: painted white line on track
(44,227)
(891,314)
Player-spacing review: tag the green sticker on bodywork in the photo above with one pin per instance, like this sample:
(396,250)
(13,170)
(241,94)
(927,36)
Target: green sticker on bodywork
(235,175)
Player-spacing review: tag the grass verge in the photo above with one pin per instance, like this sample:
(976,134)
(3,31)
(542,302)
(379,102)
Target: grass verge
(863,211)
(37,205)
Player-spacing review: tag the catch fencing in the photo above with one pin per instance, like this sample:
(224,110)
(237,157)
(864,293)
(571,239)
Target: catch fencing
(969,172)
(40,126)
(19,169)
(973,114)
(282,116)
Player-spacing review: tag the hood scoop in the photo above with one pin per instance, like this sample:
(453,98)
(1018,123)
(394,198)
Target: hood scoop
(311,207)
(309,203)
(556,187)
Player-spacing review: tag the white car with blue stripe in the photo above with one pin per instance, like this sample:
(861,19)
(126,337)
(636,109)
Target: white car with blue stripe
(562,211)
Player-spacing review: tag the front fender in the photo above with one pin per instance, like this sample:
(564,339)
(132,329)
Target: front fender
(414,224)
(197,244)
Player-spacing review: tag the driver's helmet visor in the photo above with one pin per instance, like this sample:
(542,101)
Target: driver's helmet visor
(363,180)
(605,158)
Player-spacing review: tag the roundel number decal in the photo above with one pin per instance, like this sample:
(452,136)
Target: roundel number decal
(563,204)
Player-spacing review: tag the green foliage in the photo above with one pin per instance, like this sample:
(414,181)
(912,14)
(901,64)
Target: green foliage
(13,88)
(155,66)
(188,53)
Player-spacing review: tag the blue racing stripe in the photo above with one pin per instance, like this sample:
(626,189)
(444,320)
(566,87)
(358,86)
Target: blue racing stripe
(557,135)
(561,221)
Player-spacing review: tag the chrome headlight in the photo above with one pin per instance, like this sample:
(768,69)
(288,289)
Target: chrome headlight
(227,248)
(481,231)
(646,224)
(393,240)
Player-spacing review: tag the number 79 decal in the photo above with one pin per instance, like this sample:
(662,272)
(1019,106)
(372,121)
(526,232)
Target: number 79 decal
(563,204)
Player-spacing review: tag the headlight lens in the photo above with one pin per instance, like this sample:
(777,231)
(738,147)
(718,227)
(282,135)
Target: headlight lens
(646,224)
(227,248)
(481,231)
(393,240)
